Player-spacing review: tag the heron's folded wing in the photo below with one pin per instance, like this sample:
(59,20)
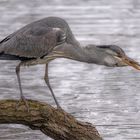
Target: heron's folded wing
(33,42)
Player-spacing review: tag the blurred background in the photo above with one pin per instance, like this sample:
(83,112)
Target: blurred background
(107,97)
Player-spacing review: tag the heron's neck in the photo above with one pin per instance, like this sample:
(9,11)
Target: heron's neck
(77,53)
(83,54)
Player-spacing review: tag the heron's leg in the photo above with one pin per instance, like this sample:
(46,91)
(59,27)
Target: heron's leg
(22,98)
(46,78)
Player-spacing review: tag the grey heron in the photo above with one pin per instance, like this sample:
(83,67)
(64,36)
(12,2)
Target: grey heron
(47,39)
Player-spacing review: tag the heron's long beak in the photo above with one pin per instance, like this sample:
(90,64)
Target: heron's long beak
(130,62)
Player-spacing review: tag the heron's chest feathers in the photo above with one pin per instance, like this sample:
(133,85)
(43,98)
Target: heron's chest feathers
(33,62)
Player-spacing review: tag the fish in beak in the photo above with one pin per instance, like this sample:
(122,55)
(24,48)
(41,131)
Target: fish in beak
(126,61)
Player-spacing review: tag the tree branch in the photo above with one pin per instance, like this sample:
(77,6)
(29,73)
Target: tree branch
(55,123)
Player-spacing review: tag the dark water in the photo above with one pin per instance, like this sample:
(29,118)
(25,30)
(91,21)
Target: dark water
(107,97)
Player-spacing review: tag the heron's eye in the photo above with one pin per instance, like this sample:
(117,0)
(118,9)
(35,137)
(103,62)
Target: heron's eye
(111,52)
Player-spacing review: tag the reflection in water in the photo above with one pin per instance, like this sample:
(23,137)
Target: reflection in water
(107,97)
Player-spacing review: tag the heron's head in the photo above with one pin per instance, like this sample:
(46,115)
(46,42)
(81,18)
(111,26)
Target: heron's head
(113,56)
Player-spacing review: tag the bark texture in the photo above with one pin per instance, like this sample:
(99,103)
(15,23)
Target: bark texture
(55,123)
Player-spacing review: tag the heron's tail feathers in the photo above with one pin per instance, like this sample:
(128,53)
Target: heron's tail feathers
(8,57)
(4,56)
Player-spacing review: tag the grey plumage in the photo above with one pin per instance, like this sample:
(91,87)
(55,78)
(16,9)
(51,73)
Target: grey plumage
(38,38)
(50,38)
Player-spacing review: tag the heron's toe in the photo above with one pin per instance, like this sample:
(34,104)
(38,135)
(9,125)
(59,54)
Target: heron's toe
(22,101)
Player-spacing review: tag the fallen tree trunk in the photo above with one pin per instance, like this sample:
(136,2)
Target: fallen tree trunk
(55,123)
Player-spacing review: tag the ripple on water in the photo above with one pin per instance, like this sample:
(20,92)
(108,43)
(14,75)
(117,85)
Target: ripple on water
(107,97)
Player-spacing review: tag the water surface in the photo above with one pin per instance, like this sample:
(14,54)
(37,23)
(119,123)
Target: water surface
(106,97)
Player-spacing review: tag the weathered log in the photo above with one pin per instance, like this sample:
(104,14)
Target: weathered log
(55,123)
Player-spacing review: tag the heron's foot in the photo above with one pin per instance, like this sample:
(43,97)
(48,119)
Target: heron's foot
(22,100)
(59,108)
(62,110)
